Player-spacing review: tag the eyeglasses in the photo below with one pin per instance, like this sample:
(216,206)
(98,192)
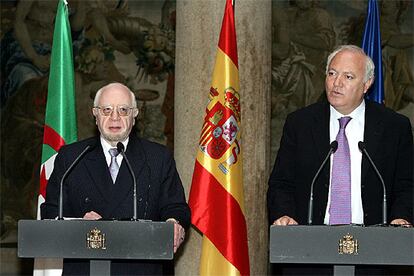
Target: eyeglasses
(122,110)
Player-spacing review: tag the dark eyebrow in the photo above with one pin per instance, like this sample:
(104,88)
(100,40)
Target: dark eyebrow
(350,73)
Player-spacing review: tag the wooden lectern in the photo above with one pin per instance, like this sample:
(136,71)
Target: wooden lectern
(99,241)
(342,246)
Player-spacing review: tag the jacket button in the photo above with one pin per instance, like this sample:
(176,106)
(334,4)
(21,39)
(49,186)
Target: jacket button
(362,186)
(140,199)
(87,200)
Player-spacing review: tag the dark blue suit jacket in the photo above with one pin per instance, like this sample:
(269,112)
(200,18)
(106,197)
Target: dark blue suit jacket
(305,143)
(89,187)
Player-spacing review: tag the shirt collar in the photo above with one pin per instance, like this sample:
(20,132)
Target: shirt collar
(106,146)
(356,113)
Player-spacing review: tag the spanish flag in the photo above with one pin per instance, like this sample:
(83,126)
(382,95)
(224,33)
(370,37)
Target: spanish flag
(216,196)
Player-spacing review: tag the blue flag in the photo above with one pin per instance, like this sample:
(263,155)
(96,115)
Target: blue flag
(371,43)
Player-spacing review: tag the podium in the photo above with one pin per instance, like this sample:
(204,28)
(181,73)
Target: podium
(342,246)
(99,241)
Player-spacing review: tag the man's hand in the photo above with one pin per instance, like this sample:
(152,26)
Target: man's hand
(179,234)
(401,222)
(285,220)
(92,216)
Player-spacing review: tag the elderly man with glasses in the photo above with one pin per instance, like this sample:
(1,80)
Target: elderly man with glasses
(101,187)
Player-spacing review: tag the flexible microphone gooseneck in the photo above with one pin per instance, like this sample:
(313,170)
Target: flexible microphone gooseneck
(333,147)
(74,163)
(362,148)
(121,149)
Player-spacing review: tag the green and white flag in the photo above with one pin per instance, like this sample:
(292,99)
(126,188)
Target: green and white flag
(60,118)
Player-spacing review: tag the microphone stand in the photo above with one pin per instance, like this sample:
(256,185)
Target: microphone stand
(333,148)
(362,147)
(120,148)
(60,215)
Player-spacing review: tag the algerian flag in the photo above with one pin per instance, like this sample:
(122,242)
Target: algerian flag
(60,119)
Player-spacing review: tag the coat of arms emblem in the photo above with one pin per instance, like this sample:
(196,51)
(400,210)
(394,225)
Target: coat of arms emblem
(347,245)
(219,137)
(95,239)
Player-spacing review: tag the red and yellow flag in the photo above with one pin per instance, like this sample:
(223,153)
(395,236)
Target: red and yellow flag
(216,196)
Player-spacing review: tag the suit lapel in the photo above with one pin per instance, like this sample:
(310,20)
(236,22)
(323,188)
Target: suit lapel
(98,171)
(320,129)
(374,128)
(321,139)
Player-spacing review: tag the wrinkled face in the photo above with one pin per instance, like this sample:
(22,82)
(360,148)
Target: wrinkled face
(344,83)
(114,102)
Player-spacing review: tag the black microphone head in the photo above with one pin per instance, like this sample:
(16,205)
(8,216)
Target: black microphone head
(334,146)
(361,145)
(120,147)
(91,145)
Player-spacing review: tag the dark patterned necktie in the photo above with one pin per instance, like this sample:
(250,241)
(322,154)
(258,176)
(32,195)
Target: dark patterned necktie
(340,208)
(113,167)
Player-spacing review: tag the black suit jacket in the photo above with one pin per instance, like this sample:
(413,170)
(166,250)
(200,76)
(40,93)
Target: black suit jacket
(304,145)
(89,187)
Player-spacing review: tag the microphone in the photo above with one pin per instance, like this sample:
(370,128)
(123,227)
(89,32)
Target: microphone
(121,149)
(362,148)
(74,163)
(333,147)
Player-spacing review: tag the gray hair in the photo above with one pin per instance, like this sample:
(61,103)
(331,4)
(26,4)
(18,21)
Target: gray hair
(99,93)
(369,64)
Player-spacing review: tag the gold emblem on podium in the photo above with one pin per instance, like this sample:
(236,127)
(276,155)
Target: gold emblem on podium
(95,239)
(347,245)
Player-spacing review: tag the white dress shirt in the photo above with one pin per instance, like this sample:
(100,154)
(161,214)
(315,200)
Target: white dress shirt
(354,132)
(106,146)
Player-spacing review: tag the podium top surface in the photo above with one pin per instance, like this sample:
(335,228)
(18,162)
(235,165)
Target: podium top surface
(342,245)
(144,240)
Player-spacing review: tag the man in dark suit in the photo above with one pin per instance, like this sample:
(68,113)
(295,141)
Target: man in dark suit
(306,139)
(305,142)
(95,189)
